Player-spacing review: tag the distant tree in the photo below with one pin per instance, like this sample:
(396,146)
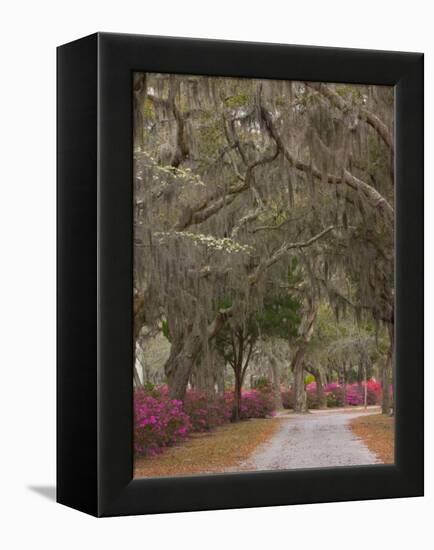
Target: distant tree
(278,317)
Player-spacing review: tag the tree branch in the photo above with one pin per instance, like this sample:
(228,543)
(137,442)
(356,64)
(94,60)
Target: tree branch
(212,204)
(275,227)
(364,114)
(245,220)
(246,362)
(375,199)
(254,277)
(218,323)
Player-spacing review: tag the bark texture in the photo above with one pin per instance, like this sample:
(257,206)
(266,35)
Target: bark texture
(297,365)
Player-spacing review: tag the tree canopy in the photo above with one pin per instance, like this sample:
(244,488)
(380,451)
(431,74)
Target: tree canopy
(258,206)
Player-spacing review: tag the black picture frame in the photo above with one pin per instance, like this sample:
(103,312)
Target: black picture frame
(95,262)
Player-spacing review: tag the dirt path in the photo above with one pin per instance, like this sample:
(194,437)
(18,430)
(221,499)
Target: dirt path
(316,440)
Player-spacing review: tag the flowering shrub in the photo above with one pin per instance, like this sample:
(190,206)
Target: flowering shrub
(257,403)
(336,397)
(158,422)
(312,396)
(355,393)
(205,413)
(287,399)
(374,392)
(334,394)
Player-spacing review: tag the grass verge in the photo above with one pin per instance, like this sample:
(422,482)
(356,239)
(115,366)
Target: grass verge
(377,431)
(210,452)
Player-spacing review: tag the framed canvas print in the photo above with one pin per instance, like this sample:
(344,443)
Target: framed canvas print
(240,274)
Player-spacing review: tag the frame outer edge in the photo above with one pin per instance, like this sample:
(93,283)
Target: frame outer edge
(76,276)
(119,55)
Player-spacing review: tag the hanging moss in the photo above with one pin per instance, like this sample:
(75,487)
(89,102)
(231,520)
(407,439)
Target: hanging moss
(231,171)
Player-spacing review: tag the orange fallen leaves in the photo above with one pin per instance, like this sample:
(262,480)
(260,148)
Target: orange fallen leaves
(212,452)
(378,433)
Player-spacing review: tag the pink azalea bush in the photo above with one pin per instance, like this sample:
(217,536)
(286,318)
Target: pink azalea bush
(336,396)
(160,421)
(205,413)
(355,393)
(287,398)
(257,404)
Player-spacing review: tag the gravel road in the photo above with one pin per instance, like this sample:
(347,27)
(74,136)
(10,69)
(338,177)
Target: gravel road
(316,440)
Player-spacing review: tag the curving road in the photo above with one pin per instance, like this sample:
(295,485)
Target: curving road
(316,440)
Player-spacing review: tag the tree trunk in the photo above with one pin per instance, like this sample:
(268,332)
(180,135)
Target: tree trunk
(212,367)
(297,365)
(386,374)
(275,382)
(136,378)
(139,314)
(344,383)
(300,397)
(139,95)
(236,411)
(203,375)
(385,383)
(145,370)
(390,374)
(178,367)
(320,382)
(186,348)
(220,374)
(365,389)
